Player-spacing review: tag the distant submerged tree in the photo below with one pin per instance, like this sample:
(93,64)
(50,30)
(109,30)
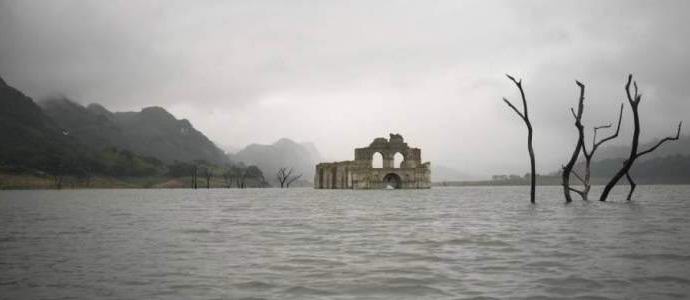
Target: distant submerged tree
(285,177)
(634,99)
(525,117)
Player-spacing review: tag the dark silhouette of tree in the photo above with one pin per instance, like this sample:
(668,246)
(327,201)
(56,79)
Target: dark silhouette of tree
(634,101)
(285,177)
(525,117)
(567,169)
(230,174)
(586,179)
(282,176)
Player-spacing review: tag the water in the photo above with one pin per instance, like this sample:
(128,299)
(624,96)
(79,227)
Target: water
(443,243)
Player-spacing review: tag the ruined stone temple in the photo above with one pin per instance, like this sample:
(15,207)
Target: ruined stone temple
(400,167)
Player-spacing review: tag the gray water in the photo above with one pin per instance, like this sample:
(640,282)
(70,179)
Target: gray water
(443,243)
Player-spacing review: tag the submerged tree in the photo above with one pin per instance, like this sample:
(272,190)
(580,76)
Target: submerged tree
(285,177)
(586,179)
(634,101)
(567,169)
(525,117)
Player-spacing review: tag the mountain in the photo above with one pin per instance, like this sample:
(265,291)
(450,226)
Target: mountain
(153,131)
(284,153)
(313,151)
(28,137)
(671,169)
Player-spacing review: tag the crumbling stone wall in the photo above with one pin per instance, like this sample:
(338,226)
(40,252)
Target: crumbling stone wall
(359,173)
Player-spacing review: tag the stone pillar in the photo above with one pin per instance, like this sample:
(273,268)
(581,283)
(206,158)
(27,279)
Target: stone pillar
(387,160)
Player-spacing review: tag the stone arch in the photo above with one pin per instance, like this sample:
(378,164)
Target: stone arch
(377,160)
(398,159)
(392,180)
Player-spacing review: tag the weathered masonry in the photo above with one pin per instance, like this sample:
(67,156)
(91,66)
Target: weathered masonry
(365,173)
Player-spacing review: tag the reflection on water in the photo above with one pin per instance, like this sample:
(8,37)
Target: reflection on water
(455,243)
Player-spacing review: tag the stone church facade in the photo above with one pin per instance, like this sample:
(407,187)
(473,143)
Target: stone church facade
(359,173)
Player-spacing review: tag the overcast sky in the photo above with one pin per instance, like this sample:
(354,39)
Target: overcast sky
(339,73)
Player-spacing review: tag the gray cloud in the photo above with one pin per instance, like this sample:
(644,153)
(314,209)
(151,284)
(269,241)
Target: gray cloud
(341,73)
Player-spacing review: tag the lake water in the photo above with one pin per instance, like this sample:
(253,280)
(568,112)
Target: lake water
(443,243)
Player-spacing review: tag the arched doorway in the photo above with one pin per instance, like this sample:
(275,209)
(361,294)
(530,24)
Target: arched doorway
(392,180)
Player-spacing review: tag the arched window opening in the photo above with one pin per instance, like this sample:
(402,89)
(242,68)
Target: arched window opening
(397,160)
(377,160)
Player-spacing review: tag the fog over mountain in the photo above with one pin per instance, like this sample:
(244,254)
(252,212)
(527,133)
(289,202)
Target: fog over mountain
(284,153)
(151,132)
(339,74)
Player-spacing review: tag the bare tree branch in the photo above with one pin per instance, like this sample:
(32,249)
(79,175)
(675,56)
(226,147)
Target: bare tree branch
(293,179)
(662,141)
(514,108)
(612,136)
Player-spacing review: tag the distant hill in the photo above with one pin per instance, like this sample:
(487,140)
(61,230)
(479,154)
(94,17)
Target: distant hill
(681,146)
(284,153)
(151,132)
(670,169)
(28,137)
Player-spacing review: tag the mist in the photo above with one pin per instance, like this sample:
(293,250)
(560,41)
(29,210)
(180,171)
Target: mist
(342,73)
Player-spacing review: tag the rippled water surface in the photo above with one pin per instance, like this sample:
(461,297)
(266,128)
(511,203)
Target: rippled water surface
(443,243)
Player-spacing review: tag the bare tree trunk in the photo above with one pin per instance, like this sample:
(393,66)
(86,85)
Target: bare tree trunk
(586,181)
(567,169)
(283,175)
(634,101)
(632,185)
(525,117)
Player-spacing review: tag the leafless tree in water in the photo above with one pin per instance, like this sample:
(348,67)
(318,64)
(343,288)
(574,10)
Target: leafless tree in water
(589,154)
(525,117)
(284,176)
(293,179)
(634,100)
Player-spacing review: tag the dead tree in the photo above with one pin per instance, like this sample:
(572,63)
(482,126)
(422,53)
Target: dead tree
(634,101)
(282,175)
(567,169)
(285,177)
(525,117)
(586,179)
(294,178)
